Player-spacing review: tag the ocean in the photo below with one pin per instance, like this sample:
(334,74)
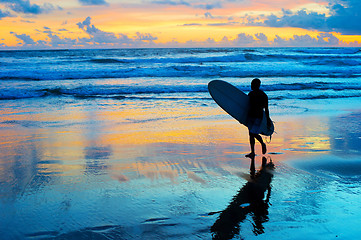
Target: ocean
(290,76)
(128,143)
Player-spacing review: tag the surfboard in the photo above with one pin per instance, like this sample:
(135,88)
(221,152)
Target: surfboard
(235,103)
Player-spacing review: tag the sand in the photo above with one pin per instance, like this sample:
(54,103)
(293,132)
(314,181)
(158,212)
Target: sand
(92,169)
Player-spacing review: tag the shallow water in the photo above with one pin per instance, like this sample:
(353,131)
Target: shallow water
(73,168)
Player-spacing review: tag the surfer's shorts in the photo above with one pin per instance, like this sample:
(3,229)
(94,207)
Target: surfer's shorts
(254,125)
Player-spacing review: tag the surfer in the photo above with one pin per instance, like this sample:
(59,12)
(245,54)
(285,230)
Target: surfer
(258,101)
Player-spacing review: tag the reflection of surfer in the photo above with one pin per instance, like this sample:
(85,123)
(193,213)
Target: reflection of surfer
(258,101)
(249,200)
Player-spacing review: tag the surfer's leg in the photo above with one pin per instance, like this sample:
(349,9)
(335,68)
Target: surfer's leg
(252,142)
(260,140)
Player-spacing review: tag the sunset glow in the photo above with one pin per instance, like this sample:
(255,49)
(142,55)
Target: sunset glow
(39,24)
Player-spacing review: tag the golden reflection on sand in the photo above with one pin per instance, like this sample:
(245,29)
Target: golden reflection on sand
(132,143)
(304,134)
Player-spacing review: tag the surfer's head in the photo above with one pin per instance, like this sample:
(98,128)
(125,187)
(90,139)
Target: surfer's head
(256,83)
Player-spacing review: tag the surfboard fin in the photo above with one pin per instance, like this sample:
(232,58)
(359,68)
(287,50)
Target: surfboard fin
(270,137)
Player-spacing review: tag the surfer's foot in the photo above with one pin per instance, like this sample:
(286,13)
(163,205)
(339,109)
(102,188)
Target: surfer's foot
(251,155)
(264,148)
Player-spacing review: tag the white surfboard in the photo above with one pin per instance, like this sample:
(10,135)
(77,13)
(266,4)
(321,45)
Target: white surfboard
(235,103)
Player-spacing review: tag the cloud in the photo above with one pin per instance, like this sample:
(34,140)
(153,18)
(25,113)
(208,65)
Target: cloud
(244,39)
(209,6)
(261,40)
(93,2)
(344,17)
(173,3)
(99,37)
(24,6)
(300,19)
(56,41)
(147,40)
(191,24)
(222,24)
(208,15)
(327,39)
(205,6)
(211,16)
(4,14)
(27,21)
(86,22)
(322,40)
(96,39)
(47,30)
(25,38)
(145,37)
(261,37)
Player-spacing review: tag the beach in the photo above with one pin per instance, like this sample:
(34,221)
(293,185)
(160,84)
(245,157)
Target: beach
(134,147)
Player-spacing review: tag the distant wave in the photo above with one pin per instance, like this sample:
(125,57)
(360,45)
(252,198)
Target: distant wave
(234,58)
(20,78)
(335,62)
(107,60)
(183,70)
(330,50)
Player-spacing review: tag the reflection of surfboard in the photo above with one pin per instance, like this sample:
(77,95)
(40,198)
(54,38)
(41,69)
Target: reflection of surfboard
(235,103)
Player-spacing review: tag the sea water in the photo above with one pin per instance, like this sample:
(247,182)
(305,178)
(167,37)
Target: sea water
(127,143)
(292,77)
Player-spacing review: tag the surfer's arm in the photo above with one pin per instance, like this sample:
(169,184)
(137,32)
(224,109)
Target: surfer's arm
(266,111)
(269,121)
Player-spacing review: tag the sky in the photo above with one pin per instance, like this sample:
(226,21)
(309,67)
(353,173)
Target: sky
(68,24)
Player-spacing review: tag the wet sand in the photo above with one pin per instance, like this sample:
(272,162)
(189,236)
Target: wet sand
(76,172)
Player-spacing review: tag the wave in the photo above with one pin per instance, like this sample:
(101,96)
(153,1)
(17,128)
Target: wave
(330,50)
(182,70)
(316,96)
(329,96)
(107,60)
(12,94)
(311,90)
(19,78)
(215,59)
(335,62)
(337,86)
(117,92)
(234,58)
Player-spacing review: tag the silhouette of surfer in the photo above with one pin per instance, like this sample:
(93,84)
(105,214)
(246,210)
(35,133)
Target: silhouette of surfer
(258,101)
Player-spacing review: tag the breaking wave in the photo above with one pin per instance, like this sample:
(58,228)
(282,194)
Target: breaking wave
(311,90)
